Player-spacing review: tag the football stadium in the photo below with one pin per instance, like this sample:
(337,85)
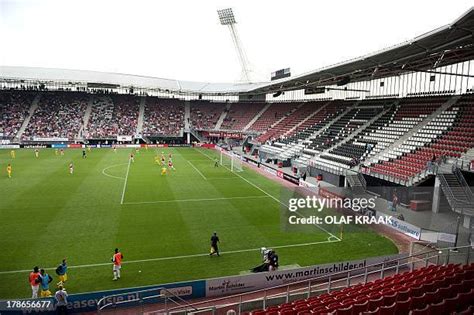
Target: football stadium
(340,189)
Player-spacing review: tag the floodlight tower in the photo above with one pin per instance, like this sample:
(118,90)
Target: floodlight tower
(226,17)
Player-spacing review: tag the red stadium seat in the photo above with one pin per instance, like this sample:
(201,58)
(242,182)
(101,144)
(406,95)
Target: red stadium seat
(360,307)
(446,292)
(418,302)
(388,309)
(468,285)
(450,304)
(437,308)
(389,299)
(344,311)
(403,294)
(433,297)
(375,303)
(403,307)
(421,311)
(467,311)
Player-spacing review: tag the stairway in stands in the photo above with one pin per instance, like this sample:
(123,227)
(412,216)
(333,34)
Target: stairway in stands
(257,116)
(141,115)
(222,117)
(34,106)
(457,191)
(87,116)
(357,182)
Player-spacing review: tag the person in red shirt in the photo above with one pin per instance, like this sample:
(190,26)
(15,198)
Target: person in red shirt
(117,260)
(34,285)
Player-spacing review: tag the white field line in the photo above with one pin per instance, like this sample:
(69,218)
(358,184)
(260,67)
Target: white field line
(192,200)
(125,183)
(105,173)
(174,257)
(273,197)
(202,175)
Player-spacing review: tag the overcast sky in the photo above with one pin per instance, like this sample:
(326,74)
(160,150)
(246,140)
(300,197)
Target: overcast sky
(182,39)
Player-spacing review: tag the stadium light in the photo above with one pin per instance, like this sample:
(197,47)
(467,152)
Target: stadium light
(226,17)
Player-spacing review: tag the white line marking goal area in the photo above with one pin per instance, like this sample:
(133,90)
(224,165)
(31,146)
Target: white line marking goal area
(137,261)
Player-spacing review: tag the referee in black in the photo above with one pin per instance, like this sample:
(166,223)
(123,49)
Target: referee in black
(214,247)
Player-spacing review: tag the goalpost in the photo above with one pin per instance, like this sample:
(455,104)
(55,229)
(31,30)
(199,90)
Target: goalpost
(231,160)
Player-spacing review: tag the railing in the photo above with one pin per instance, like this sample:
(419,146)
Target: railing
(464,184)
(362,180)
(458,205)
(262,299)
(142,297)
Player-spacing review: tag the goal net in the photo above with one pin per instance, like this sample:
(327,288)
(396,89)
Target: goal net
(231,161)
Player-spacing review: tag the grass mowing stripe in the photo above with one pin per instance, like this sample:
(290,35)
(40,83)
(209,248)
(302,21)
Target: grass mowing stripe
(202,175)
(175,257)
(192,200)
(273,197)
(125,183)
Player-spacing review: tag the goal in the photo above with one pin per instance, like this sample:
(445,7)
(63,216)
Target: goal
(231,161)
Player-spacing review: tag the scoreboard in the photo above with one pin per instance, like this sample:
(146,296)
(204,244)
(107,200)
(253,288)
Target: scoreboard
(280,74)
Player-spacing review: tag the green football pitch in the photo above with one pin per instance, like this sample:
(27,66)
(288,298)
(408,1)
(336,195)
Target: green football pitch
(162,224)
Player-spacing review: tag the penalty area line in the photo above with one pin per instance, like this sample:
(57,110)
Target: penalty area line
(129,262)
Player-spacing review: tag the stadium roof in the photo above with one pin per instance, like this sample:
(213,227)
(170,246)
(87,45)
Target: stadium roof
(444,46)
(449,44)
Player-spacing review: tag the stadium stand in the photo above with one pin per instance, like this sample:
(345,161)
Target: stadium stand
(240,114)
(295,119)
(113,115)
(273,114)
(163,117)
(205,114)
(449,134)
(296,145)
(59,115)
(14,107)
(446,289)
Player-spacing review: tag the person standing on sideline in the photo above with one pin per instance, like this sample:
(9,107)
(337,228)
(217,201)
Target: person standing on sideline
(214,246)
(44,280)
(117,260)
(61,300)
(61,271)
(34,284)
(394,201)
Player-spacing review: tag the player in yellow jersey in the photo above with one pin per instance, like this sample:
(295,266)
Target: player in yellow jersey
(9,170)
(164,170)
(56,152)
(157,160)
(12,154)
(37,153)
